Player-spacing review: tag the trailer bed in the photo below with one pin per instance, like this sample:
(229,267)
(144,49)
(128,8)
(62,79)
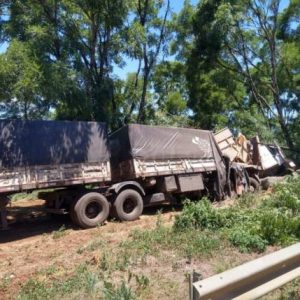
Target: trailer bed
(44,154)
(136,168)
(49,176)
(139,151)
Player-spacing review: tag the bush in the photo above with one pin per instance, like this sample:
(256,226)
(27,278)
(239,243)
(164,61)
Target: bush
(199,215)
(274,221)
(286,197)
(278,228)
(247,241)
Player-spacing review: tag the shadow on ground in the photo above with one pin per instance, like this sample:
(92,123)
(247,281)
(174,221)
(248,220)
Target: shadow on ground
(30,221)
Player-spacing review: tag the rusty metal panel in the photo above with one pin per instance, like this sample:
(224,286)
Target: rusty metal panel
(188,183)
(27,178)
(137,168)
(143,168)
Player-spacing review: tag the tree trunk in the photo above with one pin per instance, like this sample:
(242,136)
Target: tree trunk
(141,116)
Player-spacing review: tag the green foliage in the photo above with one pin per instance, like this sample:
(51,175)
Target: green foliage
(189,243)
(83,281)
(286,197)
(199,215)
(278,228)
(25,196)
(122,292)
(21,83)
(236,53)
(208,66)
(249,226)
(247,241)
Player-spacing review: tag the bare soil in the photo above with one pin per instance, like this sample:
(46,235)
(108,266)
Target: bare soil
(29,246)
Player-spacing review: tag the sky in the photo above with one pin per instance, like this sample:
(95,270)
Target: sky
(130,65)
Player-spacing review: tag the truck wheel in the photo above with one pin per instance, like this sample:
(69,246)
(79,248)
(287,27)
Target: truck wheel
(128,205)
(90,210)
(254,185)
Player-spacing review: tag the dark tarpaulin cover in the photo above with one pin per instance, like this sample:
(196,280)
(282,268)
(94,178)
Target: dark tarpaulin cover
(163,143)
(154,142)
(28,143)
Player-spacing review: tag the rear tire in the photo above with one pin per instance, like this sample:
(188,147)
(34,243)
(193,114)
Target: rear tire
(90,210)
(128,205)
(254,185)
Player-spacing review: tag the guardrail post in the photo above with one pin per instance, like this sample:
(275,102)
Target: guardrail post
(194,277)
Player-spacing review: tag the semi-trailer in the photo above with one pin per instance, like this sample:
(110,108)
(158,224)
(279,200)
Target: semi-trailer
(92,175)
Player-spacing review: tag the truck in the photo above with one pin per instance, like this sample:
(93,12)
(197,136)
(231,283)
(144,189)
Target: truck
(90,175)
(260,159)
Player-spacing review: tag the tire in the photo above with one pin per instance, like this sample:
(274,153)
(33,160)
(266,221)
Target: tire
(90,210)
(128,205)
(73,213)
(254,185)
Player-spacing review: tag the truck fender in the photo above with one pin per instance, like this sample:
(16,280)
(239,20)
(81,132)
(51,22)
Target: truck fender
(117,187)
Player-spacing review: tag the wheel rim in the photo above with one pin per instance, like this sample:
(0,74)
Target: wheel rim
(129,205)
(93,209)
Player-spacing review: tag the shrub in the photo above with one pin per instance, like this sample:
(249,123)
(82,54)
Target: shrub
(278,228)
(274,221)
(199,215)
(247,241)
(286,197)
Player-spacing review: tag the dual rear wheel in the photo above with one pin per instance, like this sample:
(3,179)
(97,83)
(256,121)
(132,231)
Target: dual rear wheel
(128,205)
(92,209)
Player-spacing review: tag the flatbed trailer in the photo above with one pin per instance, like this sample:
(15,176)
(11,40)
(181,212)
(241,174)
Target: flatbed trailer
(92,175)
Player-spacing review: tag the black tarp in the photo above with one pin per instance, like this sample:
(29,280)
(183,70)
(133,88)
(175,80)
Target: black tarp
(164,143)
(28,143)
(154,142)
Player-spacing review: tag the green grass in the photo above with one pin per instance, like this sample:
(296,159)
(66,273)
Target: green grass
(199,232)
(24,196)
(187,244)
(61,232)
(249,226)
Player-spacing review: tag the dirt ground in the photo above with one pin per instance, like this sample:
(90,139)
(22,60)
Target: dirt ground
(29,246)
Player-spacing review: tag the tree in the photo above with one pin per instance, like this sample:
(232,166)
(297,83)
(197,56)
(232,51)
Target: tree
(147,36)
(127,96)
(170,90)
(241,37)
(182,30)
(21,82)
(77,43)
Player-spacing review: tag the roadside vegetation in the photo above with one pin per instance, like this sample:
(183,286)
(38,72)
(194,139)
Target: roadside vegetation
(200,232)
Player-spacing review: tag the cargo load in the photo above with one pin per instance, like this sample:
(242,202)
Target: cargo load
(267,159)
(38,154)
(144,151)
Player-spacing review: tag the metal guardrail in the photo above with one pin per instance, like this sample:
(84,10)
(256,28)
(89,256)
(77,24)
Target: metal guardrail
(250,280)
